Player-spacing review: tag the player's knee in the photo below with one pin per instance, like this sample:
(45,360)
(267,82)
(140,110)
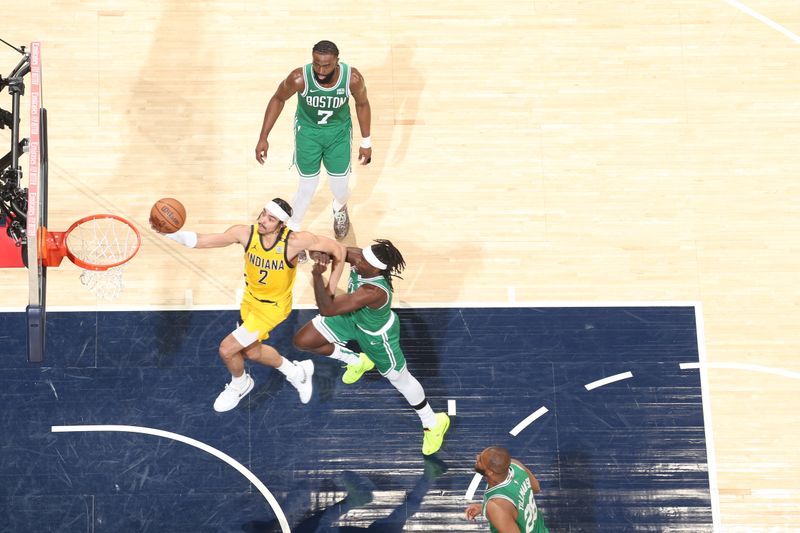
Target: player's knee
(300,340)
(236,342)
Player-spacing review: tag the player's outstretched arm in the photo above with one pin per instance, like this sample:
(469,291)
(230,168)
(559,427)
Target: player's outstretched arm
(305,240)
(364,296)
(235,234)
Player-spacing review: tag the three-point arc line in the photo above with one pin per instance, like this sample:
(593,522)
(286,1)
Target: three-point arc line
(476,479)
(197,444)
(609,379)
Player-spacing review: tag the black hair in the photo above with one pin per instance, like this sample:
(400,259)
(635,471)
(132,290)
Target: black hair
(391,256)
(326,47)
(283,204)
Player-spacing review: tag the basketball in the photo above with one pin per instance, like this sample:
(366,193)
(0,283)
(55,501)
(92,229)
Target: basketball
(167,215)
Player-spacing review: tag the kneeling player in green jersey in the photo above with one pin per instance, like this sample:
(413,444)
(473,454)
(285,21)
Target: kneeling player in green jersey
(323,130)
(508,502)
(365,315)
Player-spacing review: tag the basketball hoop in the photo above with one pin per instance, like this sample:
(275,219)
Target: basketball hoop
(101,245)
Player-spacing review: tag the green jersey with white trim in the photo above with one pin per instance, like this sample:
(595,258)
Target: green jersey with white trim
(324,107)
(517,489)
(366,318)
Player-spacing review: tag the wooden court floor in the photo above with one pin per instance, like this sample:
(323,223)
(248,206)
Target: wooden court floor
(524,151)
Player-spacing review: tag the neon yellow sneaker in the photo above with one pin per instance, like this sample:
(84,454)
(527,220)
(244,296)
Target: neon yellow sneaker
(354,372)
(434,437)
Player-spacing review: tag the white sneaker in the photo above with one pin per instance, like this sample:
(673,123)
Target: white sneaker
(304,384)
(231,396)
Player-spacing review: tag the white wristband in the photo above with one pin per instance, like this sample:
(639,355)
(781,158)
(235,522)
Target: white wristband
(186,238)
(366,142)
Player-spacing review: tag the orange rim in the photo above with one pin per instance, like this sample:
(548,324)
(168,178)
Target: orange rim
(91,266)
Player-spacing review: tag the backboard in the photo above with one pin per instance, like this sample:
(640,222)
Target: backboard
(37,212)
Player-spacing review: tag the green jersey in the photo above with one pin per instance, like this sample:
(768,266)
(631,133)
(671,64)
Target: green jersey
(366,318)
(324,107)
(517,489)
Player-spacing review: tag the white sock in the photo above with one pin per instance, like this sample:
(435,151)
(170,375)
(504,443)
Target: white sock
(345,355)
(240,382)
(427,416)
(290,370)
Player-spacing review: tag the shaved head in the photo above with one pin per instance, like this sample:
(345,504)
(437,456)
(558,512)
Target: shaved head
(497,459)
(493,459)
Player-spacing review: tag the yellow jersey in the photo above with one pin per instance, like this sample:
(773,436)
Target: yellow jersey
(268,275)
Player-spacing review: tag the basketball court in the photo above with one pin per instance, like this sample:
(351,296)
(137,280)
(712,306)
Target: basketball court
(596,205)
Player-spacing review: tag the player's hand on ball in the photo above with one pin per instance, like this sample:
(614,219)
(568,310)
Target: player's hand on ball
(319,268)
(320,257)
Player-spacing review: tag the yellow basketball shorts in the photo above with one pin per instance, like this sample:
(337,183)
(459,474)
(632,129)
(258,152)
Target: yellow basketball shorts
(263,317)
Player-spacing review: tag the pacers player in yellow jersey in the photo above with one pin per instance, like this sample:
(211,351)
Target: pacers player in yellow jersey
(270,257)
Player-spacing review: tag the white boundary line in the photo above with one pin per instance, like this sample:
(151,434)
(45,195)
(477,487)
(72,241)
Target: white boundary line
(397,305)
(744,366)
(711,458)
(530,418)
(197,444)
(769,22)
(609,379)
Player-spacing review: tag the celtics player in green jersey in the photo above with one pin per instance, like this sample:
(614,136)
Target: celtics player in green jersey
(322,129)
(508,502)
(365,315)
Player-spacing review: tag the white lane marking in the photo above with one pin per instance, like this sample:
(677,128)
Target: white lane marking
(197,444)
(451,407)
(530,418)
(705,391)
(473,486)
(609,379)
(769,22)
(744,366)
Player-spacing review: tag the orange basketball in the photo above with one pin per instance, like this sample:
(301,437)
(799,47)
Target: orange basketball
(167,215)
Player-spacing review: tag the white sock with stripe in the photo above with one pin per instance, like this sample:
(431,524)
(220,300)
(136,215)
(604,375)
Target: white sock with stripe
(426,415)
(345,355)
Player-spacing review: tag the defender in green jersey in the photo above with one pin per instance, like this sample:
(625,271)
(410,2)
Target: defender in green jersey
(365,315)
(322,129)
(508,502)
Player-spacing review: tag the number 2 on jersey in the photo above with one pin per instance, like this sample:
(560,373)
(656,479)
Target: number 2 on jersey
(263,279)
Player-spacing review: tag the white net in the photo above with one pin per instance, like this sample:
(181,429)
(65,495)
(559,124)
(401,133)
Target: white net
(104,284)
(99,243)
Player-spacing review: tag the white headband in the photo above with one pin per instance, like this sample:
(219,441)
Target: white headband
(369,255)
(277,211)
